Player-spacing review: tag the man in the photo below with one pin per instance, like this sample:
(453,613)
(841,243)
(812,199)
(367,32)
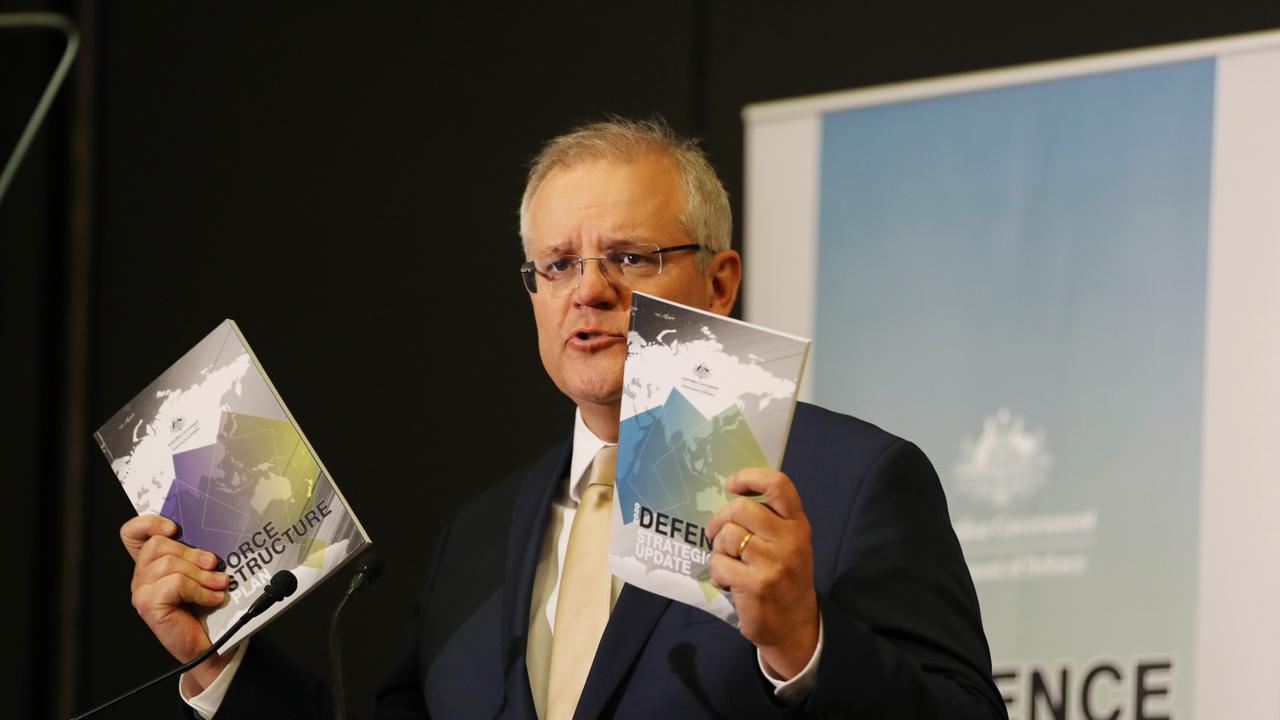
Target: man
(853,595)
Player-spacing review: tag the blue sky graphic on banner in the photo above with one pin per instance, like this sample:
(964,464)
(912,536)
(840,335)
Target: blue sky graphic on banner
(1015,279)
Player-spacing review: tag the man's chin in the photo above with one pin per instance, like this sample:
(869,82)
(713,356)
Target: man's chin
(596,395)
(594,378)
(596,389)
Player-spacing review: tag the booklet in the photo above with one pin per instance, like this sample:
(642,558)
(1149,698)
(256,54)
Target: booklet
(703,396)
(210,445)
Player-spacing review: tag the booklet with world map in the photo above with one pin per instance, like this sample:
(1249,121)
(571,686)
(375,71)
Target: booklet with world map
(210,445)
(703,396)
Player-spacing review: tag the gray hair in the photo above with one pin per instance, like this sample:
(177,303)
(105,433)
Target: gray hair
(705,217)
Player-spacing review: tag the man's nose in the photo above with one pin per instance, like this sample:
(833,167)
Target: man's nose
(595,284)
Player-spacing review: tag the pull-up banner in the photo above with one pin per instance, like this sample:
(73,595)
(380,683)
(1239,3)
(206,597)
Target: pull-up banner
(1063,282)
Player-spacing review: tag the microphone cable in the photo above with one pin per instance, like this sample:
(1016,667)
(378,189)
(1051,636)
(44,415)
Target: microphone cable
(282,585)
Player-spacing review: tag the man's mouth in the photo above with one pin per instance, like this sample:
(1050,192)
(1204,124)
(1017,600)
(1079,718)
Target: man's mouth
(592,339)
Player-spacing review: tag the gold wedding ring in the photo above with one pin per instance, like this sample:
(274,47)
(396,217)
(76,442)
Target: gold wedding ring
(743,545)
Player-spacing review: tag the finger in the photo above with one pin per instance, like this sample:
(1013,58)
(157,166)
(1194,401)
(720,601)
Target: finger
(749,514)
(166,565)
(728,539)
(173,590)
(136,531)
(727,572)
(776,489)
(158,546)
(730,542)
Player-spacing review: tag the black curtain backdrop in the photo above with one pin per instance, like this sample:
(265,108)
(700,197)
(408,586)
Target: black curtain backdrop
(342,180)
(32,233)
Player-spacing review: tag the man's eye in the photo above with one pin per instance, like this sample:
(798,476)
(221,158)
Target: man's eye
(558,266)
(634,258)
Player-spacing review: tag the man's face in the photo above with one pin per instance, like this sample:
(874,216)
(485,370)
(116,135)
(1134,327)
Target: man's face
(585,210)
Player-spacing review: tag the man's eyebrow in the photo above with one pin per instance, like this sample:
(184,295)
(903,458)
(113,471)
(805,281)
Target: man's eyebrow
(624,240)
(564,247)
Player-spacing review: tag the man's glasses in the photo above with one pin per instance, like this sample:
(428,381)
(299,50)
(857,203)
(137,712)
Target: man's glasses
(558,275)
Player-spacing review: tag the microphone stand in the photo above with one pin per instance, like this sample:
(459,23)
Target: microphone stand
(52,21)
(335,661)
(369,570)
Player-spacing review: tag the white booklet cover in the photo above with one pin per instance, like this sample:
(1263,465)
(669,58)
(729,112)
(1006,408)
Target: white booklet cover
(210,445)
(703,396)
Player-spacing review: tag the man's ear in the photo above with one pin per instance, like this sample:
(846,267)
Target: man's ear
(724,275)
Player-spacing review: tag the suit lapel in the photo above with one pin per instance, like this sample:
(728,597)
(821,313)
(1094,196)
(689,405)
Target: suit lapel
(630,625)
(528,526)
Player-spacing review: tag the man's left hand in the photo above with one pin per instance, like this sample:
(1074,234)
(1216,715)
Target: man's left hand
(772,576)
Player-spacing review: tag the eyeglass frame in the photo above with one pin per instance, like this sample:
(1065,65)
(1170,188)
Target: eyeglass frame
(529,270)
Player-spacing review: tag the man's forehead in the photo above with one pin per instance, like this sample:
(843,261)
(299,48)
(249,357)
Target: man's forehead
(605,203)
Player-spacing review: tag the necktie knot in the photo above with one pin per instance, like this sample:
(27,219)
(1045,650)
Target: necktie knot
(603,467)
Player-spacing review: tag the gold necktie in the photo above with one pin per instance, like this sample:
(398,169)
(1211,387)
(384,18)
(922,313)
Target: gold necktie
(582,607)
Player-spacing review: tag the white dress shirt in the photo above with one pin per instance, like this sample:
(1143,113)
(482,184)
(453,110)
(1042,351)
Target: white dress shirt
(542,614)
(207,703)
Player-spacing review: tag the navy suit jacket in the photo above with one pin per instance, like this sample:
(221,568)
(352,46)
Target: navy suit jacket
(902,632)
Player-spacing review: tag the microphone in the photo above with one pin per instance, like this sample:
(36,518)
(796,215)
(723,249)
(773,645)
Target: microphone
(282,585)
(368,569)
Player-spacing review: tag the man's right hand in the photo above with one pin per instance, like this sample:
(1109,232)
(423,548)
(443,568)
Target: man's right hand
(169,579)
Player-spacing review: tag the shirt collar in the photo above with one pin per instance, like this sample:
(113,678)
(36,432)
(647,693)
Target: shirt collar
(585,447)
